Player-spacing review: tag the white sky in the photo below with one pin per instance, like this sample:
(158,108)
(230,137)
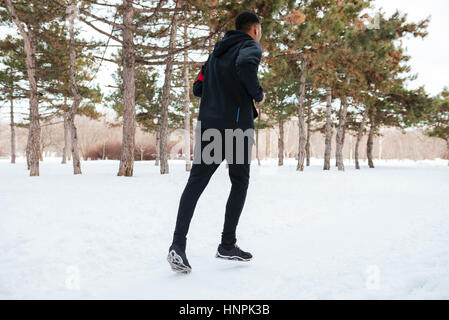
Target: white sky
(429,57)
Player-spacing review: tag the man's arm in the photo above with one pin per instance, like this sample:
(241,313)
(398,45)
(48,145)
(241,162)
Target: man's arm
(198,84)
(247,65)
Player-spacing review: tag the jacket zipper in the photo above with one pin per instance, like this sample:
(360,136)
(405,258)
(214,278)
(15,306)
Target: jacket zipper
(238,113)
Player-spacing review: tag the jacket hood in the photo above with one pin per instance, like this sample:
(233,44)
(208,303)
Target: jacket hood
(231,38)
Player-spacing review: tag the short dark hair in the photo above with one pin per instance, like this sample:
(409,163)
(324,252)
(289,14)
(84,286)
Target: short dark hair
(245,20)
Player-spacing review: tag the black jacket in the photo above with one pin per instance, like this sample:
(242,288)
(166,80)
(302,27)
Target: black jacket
(227,83)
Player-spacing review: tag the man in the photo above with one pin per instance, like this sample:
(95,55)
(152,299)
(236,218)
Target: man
(227,85)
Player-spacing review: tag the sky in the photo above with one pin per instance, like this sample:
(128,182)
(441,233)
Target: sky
(429,56)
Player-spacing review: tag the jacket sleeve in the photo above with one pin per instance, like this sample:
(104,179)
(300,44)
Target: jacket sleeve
(247,66)
(198,84)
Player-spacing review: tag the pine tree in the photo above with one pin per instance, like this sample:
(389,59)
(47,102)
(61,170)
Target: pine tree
(436,119)
(28,17)
(12,58)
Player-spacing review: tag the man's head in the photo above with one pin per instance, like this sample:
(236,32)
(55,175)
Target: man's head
(248,22)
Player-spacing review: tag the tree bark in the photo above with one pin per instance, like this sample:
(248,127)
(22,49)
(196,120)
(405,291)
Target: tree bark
(301,120)
(186,102)
(257,129)
(267,143)
(359,139)
(13,126)
(341,134)
(370,142)
(158,142)
(103,157)
(328,130)
(308,131)
(30,59)
(66,139)
(27,150)
(257,146)
(41,153)
(281,142)
(76,96)
(126,167)
(166,92)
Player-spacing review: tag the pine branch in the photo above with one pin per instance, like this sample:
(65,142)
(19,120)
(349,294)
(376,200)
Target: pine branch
(100,31)
(156,11)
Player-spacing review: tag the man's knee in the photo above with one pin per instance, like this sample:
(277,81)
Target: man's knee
(239,177)
(201,174)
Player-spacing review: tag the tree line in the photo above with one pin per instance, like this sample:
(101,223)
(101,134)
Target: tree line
(316,52)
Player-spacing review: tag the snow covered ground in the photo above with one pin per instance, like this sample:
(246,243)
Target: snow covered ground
(373,233)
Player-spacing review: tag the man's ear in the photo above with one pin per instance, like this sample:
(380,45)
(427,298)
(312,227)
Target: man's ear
(254,30)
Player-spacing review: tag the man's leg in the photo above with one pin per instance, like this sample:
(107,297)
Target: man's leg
(200,175)
(239,174)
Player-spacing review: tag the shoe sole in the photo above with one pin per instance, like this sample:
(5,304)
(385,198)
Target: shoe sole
(176,263)
(233,258)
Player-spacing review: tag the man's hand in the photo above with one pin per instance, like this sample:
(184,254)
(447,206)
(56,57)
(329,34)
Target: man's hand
(262,101)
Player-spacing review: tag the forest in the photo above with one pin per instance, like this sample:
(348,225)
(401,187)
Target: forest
(332,66)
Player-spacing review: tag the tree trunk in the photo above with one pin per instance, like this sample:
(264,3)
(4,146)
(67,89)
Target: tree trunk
(158,144)
(309,131)
(281,143)
(267,143)
(27,150)
(66,139)
(76,96)
(380,147)
(328,130)
(69,154)
(103,157)
(359,138)
(30,59)
(126,167)
(370,142)
(257,147)
(301,121)
(186,102)
(166,91)
(257,129)
(13,127)
(341,134)
(41,153)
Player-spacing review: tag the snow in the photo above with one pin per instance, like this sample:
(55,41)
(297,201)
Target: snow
(370,234)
